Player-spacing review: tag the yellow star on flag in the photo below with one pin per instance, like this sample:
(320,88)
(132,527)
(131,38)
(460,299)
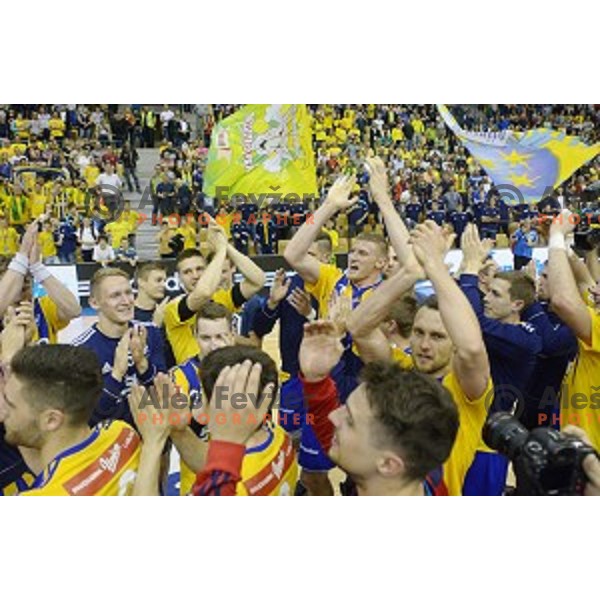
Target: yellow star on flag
(516,159)
(523,180)
(487,163)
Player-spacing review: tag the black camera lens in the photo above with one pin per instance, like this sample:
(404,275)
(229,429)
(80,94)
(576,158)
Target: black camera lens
(506,435)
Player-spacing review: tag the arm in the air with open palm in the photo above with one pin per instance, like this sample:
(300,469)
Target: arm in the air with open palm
(296,253)
(320,352)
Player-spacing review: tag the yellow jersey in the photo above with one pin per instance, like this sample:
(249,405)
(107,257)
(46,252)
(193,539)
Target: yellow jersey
(104,464)
(269,469)
(472,415)
(581,406)
(332,279)
(118,230)
(180,334)
(130,217)
(189,236)
(47,245)
(57,128)
(9,241)
(91,174)
(47,321)
(322,289)
(38,204)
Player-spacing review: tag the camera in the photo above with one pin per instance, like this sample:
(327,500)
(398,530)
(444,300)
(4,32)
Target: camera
(546,462)
(587,237)
(177,243)
(587,234)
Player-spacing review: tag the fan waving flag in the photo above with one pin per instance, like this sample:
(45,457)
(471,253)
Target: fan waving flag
(527,166)
(262,150)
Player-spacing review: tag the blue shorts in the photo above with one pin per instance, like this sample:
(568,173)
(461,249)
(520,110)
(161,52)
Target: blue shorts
(293,418)
(487,475)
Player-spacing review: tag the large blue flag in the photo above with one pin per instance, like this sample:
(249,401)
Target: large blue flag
(527,166)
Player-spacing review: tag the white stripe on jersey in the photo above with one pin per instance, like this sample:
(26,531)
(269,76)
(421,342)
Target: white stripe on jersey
(84,337)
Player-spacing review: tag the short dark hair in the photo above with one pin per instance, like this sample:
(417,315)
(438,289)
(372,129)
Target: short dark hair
(431,302)
(144,270)
(213,311)
(189,253)
(67,378)
(403,313)
(415,414)
(217,360)
(522,286)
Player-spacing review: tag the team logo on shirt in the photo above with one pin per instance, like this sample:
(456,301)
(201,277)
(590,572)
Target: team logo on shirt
(100,473)
(111,462)
(265,482)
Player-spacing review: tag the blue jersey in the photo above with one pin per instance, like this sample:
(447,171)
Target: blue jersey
(15,475)
(459,221)
(360,212)
(241,236)
(247,209)
(437,216)
(281,214)
(504,212)
(559,348)
(297,214)
(413,211)
(492,213)
(69,238)
(114,404)
(512,350)
(291,324)
(524,242)
(347,372)
(266,236)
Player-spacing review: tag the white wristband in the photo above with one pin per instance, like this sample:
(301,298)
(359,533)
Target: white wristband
(19,264)
(312,316)
(40,272)
(557,242)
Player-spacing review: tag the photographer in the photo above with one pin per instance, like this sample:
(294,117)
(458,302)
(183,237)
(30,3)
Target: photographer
(166,236)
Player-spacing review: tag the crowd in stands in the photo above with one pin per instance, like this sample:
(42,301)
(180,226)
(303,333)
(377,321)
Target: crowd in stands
(65,173)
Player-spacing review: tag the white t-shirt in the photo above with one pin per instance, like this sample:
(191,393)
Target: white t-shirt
(86,238)
(103,254)
(109,181)
(166,116)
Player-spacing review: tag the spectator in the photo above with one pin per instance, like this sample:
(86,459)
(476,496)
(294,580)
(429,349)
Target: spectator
(524,240)
(129,157)
(126,253)
(103,253)
(87,237)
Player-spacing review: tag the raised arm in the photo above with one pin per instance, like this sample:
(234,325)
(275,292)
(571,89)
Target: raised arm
(11,284)
(296,253)
(231,426)
(154,426)
(593,264)
(363,323)
(566,300)
(584,278)
(66,303)
(254,276)
(209,282)
(396,229)
(470,363)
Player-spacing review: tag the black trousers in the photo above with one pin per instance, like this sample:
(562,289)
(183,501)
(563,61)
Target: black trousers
(521,262)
